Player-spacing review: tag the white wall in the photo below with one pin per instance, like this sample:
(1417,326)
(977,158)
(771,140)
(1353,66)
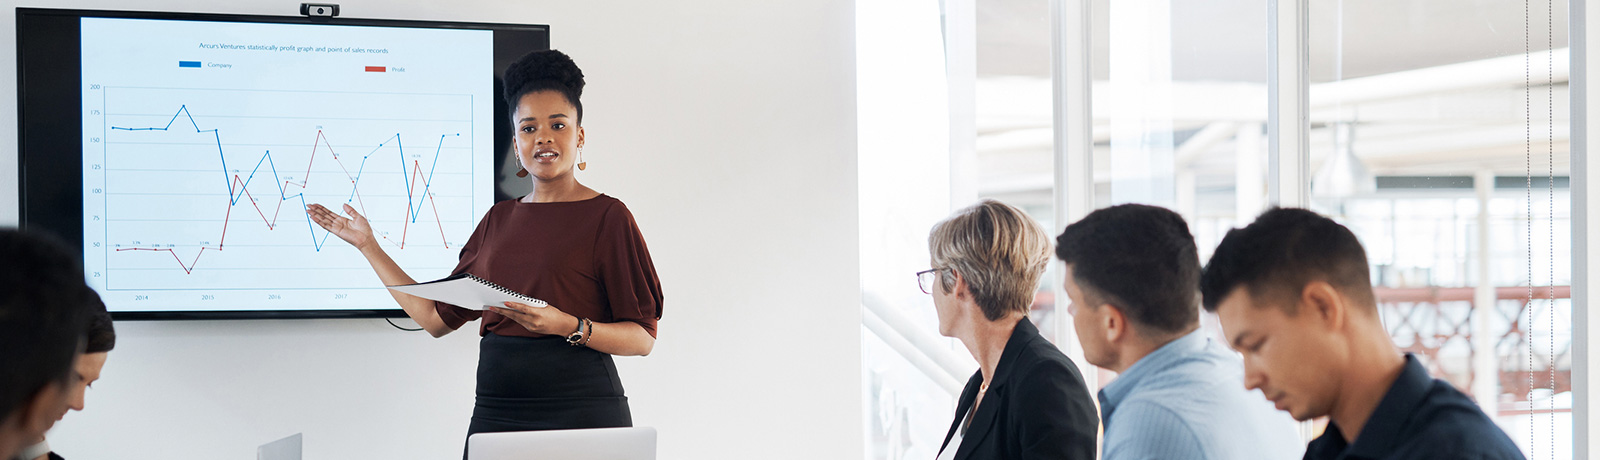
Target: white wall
(727,126)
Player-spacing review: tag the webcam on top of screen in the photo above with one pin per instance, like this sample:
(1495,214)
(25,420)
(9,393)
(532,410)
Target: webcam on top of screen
(319,10)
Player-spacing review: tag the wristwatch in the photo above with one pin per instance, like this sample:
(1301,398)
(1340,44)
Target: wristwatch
(576,338)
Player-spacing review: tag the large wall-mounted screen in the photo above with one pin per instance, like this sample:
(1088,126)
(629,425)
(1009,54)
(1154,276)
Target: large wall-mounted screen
(180,151)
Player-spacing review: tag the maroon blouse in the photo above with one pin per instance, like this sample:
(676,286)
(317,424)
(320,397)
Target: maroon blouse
(586,258)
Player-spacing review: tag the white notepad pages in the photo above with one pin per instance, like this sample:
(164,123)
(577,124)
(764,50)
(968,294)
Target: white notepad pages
(467,291)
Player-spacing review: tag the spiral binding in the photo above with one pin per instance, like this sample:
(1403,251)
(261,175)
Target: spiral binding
(517,295)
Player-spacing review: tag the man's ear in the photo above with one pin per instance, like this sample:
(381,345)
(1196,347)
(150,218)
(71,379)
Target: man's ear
(1114,322)
(1323,301)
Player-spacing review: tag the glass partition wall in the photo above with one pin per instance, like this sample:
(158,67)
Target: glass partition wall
(1437,132)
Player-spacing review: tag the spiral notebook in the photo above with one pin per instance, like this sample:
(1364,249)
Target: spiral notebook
(467,291)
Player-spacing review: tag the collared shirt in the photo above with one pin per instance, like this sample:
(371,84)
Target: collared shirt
(34,451)
(1187,400)
(1420,418)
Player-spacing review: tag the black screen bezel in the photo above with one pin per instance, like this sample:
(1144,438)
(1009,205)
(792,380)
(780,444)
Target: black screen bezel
(49,122)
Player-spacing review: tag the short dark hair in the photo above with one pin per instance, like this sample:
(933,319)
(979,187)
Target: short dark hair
(1141,259)
(42,300)
(548,70)
(101,335)
(1281,252)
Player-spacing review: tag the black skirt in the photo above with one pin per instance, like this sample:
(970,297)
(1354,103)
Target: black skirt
(530,384)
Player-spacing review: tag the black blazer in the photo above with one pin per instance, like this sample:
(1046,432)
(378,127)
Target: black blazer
(1037,407)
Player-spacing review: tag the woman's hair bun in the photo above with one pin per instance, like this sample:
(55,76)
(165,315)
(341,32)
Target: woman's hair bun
(548,70)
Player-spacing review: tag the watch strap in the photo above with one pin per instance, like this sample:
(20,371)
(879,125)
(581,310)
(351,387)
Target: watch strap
(577,337)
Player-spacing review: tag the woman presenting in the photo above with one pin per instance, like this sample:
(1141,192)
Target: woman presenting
(542,368)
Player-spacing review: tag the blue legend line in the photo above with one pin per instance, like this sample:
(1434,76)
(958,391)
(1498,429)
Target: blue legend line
(195,64)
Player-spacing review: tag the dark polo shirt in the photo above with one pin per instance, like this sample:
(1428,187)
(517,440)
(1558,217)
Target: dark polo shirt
(1420,418)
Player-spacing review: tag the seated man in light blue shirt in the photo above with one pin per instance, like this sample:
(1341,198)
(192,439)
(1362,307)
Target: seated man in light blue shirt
(1132,274)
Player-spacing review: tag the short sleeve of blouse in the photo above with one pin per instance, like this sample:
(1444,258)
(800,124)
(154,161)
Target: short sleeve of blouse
(452,315)
(632,288)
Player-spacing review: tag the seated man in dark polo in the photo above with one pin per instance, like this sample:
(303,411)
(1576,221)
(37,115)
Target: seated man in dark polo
(1294,296)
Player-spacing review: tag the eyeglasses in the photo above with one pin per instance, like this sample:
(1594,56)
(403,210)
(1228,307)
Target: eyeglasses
(925,279)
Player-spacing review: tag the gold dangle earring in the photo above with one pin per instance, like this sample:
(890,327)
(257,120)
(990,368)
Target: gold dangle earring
(582,165)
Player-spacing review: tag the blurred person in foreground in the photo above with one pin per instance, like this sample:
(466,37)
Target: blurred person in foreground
(100,337)
(42,317)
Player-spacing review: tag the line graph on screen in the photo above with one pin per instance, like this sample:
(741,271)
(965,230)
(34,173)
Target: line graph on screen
(206,188)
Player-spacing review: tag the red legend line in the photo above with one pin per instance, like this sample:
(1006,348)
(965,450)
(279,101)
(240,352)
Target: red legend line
(377,68)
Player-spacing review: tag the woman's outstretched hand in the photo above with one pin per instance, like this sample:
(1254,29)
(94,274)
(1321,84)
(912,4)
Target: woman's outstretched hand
(353,229)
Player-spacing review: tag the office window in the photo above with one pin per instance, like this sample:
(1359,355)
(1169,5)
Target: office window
(1180,106)
(1420,142)
(905,187)
(923,157)
(1014,124)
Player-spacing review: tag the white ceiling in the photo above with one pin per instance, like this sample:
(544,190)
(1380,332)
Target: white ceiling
(1468,121)
(1226,39)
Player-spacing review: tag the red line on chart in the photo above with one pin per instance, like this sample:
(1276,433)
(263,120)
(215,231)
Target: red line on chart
(238,188)
(416,172)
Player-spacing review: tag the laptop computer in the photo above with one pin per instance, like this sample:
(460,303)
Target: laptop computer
(282,449)
(635,443)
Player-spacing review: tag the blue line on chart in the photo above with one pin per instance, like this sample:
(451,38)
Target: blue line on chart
(427,182)
(235,195)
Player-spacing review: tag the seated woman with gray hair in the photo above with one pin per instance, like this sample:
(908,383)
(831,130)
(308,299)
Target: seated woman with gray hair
(1027,400)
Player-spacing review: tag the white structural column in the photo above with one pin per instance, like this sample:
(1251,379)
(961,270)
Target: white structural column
(1249,179)
(1485,365)
(1184,182)
(1074,146)
(1288,108)
(1585,238)
(1142,150)
(1289,111)
(961,73)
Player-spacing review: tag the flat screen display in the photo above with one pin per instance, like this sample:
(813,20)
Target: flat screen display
(196,142)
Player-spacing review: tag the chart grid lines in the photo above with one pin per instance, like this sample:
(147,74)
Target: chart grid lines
(239,189)
(255,117)
(419,185)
